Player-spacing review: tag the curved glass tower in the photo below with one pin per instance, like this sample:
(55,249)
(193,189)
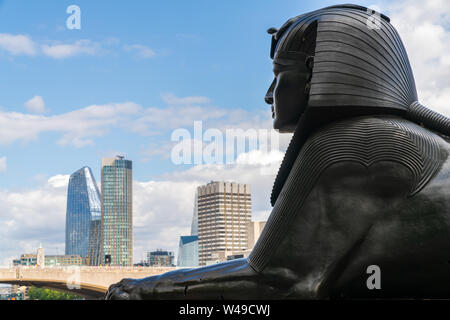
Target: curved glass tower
(83,216)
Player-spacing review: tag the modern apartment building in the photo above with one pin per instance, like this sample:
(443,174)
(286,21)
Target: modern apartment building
(116,243)
(224,210)
(83,216)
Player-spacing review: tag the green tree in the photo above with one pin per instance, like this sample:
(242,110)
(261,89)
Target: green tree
(35,293)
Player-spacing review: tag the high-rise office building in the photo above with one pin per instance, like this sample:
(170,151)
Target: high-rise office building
(117,212)
(93,258)
(224,210)
(83,215)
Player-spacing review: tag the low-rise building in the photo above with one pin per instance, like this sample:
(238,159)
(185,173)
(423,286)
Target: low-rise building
(63,261)
(188,251)
(28,259)
(161,258)
(41,260)
(254,229)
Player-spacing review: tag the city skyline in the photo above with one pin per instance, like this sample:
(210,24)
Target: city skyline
(130,77)
(84,238)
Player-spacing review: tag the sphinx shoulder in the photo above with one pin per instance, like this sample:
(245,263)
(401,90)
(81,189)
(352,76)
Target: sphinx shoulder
(370,140)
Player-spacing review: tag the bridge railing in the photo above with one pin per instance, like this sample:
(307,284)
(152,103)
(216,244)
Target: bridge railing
(93,268)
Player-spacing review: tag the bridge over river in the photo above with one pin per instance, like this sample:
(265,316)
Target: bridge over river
(88,282)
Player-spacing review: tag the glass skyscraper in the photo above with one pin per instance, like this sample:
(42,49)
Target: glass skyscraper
(83,216)
(117,212)
(188,251)
(188,246)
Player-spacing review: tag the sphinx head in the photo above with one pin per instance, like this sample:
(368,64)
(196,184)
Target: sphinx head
(337,62)
(288,93)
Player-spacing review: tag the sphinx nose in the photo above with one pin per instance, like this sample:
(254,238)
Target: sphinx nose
(269,95)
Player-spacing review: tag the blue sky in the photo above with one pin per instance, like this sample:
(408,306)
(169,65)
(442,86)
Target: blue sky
(201,48)
(136,71)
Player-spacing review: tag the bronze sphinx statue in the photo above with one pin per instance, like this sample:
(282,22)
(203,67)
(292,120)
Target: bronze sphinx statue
(365,180)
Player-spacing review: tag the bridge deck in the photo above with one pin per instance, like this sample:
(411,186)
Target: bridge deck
(90,282)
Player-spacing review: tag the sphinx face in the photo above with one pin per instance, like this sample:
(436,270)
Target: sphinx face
(287,95)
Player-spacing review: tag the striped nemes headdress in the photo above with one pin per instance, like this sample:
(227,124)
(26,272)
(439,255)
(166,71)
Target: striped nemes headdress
(359,65)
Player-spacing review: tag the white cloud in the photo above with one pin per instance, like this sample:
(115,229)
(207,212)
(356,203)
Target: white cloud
(260,158)
(79,47)
(59,181)
(28,217)
(2,164)
(197,108)
(17,44)
(171,99)
(77,127)
(81,126)
(141,51)
(162,212)
(423,27)
(36,105)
